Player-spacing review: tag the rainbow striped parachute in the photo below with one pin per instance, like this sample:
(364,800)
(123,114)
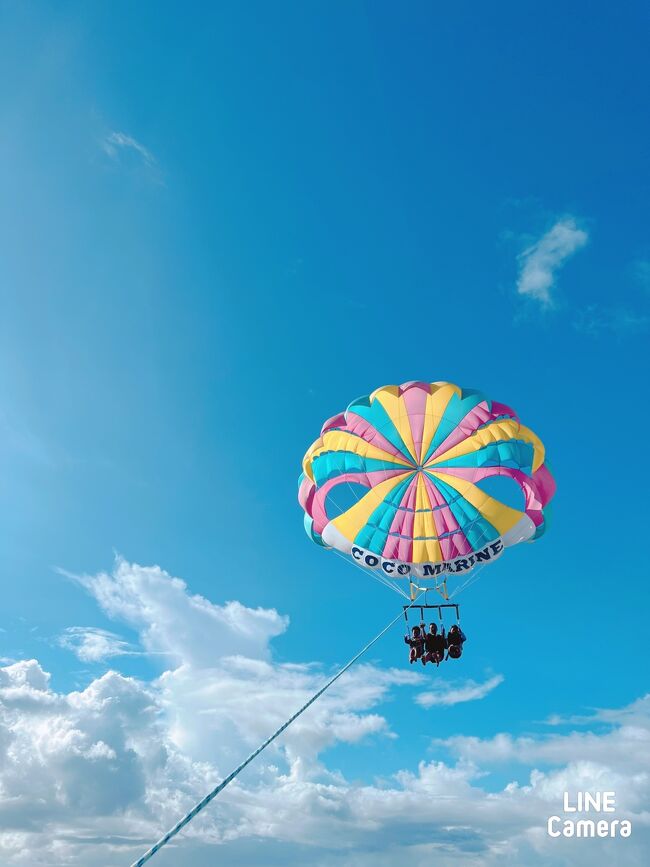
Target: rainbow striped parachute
(425,480)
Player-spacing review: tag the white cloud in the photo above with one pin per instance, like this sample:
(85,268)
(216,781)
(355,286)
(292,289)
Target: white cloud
(173,622)
(91,644)
(24,684)
(119,141)
(93,776)
(223,694)
(539,263)
(622,747)
(445,694)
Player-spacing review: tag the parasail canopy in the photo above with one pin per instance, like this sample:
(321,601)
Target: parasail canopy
(409,480)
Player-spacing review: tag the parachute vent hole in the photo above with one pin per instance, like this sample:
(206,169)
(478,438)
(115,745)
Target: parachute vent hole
(342,497)
(504,489)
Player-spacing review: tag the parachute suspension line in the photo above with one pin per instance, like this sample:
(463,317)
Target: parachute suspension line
(187,818)
(372,573)
(439,587)
(474,576)
(377,576)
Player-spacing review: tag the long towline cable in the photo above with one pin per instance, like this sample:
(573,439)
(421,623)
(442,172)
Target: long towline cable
(187,818)
(203,803)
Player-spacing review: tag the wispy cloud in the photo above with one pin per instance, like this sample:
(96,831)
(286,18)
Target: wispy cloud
(540,262)
(446,694)
(619,321)
(90,644)
(116,142)
(641,272)
(636,713)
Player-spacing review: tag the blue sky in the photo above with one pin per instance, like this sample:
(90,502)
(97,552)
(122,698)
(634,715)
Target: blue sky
(219,227)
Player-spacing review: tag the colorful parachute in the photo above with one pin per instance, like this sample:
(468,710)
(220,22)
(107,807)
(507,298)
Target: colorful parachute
(416,466)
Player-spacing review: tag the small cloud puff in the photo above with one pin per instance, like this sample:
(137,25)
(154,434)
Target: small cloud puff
(119,141)
(539,263)
(446,694)
(132,156)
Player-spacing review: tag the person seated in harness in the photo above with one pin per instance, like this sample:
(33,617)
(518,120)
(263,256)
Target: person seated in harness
(455,640)
(435,644)
(416,643)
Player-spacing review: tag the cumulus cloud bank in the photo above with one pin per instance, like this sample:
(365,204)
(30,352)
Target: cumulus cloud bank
(93,776)
(539,263)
